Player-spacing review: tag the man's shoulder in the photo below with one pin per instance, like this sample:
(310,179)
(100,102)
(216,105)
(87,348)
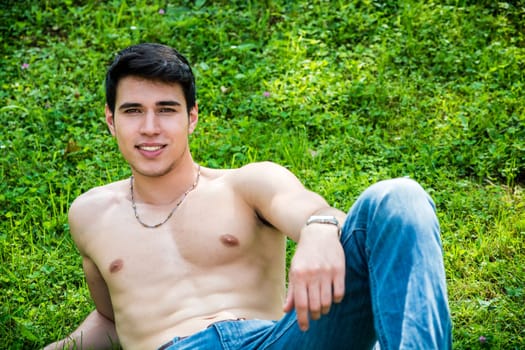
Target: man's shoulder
(261,180)
(262,165)
(96,201)
(100,195)
(263,173)
(249,170)
(256,170)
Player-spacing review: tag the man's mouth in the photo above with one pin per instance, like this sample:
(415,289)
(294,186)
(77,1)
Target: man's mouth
(149,148)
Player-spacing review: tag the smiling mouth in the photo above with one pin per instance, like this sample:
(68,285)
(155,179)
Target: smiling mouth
(150,148)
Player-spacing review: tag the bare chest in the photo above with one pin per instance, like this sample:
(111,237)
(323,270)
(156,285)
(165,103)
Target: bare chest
(212,230)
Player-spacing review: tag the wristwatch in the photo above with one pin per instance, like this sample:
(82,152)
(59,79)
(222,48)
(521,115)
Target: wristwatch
(324,219)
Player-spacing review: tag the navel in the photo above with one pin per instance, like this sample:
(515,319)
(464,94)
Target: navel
(229,240)
(116,265)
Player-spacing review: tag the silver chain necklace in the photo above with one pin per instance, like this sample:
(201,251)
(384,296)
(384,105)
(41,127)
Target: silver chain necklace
(134,205)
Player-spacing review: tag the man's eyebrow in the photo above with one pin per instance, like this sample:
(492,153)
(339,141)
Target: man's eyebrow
(160,103)
(168,103)
(129,105)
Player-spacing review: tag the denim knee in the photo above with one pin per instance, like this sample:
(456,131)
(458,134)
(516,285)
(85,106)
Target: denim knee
(399,201)
(403,190)
(400,185)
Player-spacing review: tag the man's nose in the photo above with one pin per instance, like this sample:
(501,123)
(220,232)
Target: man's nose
(150,123)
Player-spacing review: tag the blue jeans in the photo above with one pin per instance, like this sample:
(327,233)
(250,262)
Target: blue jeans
(395,285)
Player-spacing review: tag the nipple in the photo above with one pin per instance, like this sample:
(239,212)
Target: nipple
(229,240)
(116,265)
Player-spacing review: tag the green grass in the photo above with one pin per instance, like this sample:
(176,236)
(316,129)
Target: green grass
(358,91)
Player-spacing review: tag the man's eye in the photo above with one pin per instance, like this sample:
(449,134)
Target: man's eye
(132,110)
(167,110)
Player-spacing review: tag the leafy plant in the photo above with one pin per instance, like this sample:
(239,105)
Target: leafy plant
(343,93)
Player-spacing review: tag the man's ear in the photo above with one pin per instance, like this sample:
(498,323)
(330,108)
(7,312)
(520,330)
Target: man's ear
(110,120)
(193,118)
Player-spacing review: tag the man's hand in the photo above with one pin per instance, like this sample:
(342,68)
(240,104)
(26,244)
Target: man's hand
(317,274)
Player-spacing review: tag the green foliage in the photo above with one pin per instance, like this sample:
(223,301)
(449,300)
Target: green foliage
(344,93)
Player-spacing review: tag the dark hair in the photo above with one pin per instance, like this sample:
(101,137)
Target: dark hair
(153,62)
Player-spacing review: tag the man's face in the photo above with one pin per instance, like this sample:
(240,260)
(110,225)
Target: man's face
(151,124)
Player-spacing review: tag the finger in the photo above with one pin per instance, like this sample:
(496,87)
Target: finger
(289,302)
(339,286)
(314,300)
(300,297)
(326,296)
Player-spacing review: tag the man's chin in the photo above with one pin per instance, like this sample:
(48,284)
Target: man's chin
(152,172)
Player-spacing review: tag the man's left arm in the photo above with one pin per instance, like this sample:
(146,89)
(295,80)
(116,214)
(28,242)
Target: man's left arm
(317,270)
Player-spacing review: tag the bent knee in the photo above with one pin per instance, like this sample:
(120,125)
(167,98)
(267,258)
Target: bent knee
(400,184)
(402,189)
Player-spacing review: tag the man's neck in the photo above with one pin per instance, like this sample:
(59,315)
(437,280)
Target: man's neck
(165,189)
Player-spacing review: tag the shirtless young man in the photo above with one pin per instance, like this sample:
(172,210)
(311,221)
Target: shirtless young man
(181,256)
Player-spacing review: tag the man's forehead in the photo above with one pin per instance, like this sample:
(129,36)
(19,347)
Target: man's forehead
(142,88)
(135,79)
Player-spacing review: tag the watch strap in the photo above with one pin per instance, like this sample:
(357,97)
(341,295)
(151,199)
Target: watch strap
(324,219)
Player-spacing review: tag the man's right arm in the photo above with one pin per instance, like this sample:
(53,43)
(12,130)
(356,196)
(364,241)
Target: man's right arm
(96,332)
